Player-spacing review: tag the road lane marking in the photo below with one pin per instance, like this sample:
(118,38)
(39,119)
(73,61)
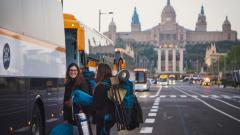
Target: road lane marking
(157,94)
(194,96)
(146,130)
(183,96)
(226,103)
(155,107)
(173,96)
(204,96)
(226,96)
(212,107)
(152,114)
(215,96)
(162,96)
(149,121)
(156,103)
(153,110)
(236,96)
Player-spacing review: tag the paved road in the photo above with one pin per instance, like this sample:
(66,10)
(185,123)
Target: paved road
(186,109)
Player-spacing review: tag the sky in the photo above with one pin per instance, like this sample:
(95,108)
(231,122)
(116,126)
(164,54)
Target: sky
(149,11)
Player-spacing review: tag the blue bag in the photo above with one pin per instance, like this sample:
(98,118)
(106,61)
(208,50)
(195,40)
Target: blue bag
(62,129)
(128,100)
(81,98)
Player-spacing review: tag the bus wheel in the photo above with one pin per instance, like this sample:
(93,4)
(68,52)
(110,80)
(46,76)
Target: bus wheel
(37,122)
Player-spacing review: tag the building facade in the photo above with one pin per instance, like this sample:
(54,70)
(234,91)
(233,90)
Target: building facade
(170,38)
(212,56)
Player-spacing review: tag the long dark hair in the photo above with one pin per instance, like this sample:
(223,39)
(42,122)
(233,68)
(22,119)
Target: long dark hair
(79,78)
(104,72)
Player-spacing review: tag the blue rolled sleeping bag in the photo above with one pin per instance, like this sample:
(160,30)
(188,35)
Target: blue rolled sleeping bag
(128,100)
(62,129)
(81,98)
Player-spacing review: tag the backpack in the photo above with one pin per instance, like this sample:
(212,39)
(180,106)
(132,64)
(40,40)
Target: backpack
(128,112)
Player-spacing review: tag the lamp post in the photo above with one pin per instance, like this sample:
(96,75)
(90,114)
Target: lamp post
(99,16)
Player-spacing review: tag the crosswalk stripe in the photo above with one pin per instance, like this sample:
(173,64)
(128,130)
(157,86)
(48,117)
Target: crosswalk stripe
(183,96)
(194,96)
(173,96)
(236,96)
(152,114)
(204,96)
(153,110)
(149,121)
(146,130)
(226,96)
(215,96)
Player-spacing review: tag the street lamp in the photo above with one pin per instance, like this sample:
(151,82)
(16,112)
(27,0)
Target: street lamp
(99,16)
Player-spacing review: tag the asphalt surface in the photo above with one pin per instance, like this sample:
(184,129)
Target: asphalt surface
(185,109)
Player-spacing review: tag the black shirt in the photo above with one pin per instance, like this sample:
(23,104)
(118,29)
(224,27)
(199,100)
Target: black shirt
(69,88)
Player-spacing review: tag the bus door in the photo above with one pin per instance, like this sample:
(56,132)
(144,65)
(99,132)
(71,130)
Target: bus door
(72,54)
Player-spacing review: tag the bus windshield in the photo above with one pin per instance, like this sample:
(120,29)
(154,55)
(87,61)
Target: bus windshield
(140,77)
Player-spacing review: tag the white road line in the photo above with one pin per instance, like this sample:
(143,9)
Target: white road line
(183,96)
(153,110)
(157,94)
(155,107)
(162,96)
(156,103)
(146,130)
(226,103)
(157,100)
(236,96)
(226,96)
(212,107)
(194,96)
(152,114)
(173,96)
(215,96)
(149,121)
(204,96)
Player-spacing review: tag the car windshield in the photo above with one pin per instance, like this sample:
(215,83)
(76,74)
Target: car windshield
(140,77)
(163,79)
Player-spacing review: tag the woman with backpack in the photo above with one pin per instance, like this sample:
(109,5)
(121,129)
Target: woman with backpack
(102,105)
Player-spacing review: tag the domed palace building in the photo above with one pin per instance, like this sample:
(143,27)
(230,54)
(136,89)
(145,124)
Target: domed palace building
(170,38)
